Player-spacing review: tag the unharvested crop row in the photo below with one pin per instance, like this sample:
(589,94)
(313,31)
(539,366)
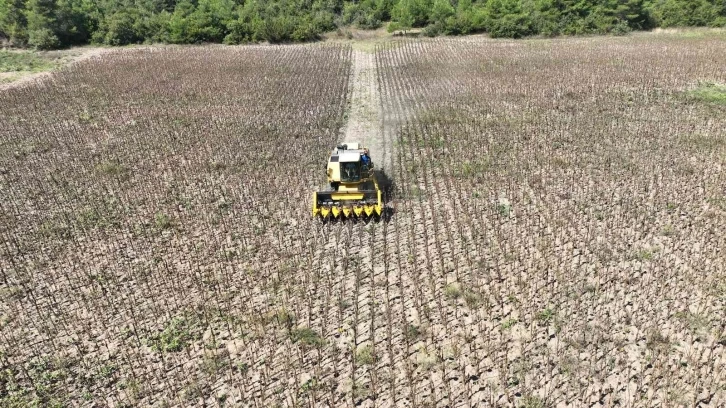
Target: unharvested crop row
(566,202)
(150,230)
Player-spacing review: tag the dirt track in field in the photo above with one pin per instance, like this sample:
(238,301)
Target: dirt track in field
(364,116)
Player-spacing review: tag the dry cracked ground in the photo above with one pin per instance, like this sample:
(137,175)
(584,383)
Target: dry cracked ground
(556,233)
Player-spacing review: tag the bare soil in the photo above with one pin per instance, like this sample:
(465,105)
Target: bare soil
(364,115)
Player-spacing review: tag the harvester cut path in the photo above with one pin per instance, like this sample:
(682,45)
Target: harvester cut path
(354,191)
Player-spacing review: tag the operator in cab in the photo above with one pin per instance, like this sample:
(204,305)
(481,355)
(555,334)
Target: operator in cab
(365,159)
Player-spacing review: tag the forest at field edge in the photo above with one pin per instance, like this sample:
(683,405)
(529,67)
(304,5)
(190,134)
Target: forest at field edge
(50,24)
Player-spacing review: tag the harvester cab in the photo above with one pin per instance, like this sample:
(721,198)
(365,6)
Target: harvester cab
(354,190)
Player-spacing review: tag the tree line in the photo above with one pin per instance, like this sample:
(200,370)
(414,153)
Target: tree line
(48,24)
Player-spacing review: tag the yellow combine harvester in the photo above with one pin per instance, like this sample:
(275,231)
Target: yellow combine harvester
(354,189)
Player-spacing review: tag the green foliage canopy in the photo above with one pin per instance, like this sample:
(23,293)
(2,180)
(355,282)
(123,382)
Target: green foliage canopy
(47,24)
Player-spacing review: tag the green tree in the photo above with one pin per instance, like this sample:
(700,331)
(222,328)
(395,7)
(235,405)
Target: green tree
(683,13)
(13,23)
(634,12)
(364,14)
(305,29)
(545,16)
(469,18)
(72,23)
(323,13)
(246,27)
(506,19)
(54,23)
(441,10)
(403,16)
(42,24)
(179,23)
(41,14)
(120,29)
(277,29)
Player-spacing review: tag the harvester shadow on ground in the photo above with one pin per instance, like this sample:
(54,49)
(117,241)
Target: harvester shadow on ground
(388,186)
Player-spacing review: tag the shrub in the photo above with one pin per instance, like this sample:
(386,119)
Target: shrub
(43,39)
(511,26)
(163,221)
(393,27)
(305,30)
(278,29)
(452,291)
(110,168)
(710,92)
(620,28)
(120,30)
(682,13)
(306,336)
(368,22)
(440,11)
(16,35)
(365,355)
(176,336)
(242,31)
(432,30)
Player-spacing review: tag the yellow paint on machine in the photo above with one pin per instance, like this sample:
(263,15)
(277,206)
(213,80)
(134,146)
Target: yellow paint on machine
(316,210)
(347,196)
(346,211)
(353,195)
